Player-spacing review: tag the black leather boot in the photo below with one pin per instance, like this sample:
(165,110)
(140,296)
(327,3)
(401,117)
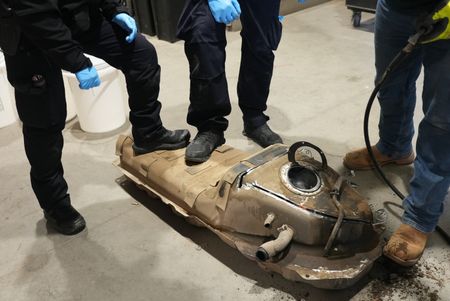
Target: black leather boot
(200,149)
(262,135)
(167,140)
(66,220)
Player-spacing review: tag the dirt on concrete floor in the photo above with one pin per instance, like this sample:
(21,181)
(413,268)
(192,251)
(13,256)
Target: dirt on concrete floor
(421,282)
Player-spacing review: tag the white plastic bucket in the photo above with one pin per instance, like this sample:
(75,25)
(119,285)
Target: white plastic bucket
(8,113)
(100,109)
(70,104)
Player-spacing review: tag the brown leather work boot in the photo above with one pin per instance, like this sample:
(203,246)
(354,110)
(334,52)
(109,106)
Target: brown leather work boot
(406,245)
(360,160)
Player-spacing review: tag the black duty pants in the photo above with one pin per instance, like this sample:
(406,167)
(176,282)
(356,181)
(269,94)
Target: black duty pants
(41,103)
(205,44)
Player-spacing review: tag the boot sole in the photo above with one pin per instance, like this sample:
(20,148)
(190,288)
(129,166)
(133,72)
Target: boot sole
(400,162)
(404,263)
(197,159)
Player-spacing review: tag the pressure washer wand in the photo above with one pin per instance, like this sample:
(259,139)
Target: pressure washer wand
(413,41)
(398,60)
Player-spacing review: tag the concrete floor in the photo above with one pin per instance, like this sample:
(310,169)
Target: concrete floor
(135,248)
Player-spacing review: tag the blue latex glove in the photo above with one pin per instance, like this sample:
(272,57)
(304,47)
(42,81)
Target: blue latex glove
(225,11)
(127,23)
(88,78)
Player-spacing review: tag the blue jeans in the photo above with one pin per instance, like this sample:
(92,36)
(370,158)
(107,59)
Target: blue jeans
(430,183)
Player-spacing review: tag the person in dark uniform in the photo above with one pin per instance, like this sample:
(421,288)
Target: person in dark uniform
(39,39)
(396,21)
(202,27)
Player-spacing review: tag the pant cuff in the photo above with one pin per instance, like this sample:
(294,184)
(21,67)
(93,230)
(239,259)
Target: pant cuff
(417,226)
(395,153)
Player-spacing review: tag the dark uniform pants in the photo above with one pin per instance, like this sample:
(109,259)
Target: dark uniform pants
(205,43)
(41,101)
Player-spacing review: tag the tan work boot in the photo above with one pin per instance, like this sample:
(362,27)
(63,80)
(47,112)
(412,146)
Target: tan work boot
(406,245)
(360,160)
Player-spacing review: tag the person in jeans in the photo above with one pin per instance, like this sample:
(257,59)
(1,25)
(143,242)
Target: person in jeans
(39,39)
(396,20)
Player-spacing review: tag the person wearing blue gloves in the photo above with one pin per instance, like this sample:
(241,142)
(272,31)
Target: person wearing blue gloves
(39,38)
(202,27)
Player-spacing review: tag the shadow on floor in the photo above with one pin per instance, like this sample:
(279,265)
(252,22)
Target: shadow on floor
(91,268)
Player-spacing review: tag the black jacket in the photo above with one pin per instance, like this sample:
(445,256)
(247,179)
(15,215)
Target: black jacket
(414,5)
(51,25)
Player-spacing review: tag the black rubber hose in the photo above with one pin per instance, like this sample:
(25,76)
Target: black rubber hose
(392,66)
(396,62)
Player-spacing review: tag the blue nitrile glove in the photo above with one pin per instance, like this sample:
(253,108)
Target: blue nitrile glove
(301,1)
(225,11)
(88,78)
(128,24)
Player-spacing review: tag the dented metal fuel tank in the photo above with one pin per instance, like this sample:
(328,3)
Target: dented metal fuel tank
(281,207)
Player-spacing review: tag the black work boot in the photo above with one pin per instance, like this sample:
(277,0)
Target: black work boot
(66,220)
(262,135)
(200,149)
(167,140)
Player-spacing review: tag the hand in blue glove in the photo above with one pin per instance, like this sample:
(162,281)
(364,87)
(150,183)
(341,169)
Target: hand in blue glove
(225,11)
(127,23)
(88,78)
(301,1)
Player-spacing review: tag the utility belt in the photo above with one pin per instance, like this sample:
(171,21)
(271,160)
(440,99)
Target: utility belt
(9,29)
